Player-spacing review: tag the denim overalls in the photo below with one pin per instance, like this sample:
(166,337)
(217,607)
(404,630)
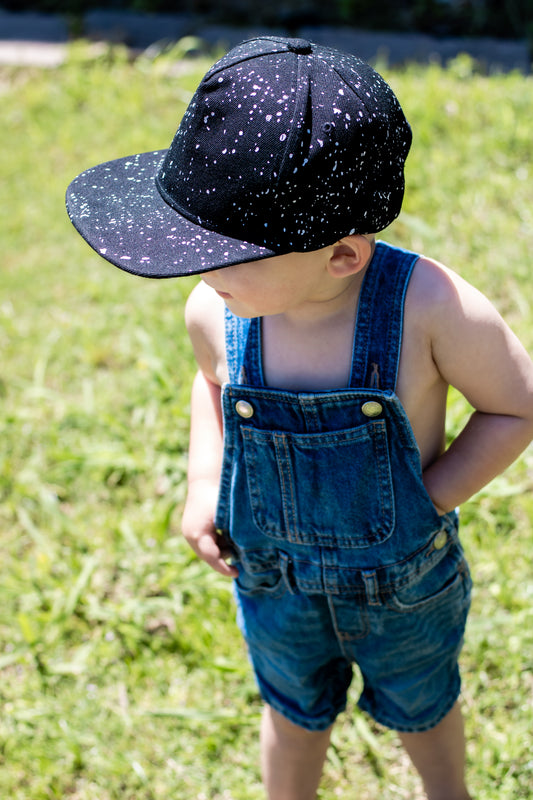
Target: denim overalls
(342,556)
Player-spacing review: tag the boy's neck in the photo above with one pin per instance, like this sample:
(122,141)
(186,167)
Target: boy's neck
(338,291)
(320,310)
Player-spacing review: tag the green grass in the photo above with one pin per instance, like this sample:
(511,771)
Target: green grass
(123,675)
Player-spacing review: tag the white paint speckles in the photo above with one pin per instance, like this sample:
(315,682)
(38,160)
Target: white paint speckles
(234,145)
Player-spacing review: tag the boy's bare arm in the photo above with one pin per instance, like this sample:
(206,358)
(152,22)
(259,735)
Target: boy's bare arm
(205,447)
(475,351)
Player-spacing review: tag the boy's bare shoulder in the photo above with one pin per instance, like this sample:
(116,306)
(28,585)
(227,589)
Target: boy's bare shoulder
(471,346)
(204,318)
(435,288)
(447,304)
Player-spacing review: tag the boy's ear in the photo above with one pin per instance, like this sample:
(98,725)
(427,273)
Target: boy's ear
(349,256)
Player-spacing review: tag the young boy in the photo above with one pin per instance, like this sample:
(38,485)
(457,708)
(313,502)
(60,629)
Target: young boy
(318,478)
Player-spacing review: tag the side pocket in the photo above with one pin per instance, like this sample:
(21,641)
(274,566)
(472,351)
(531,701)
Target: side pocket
(269,582)
(448,583)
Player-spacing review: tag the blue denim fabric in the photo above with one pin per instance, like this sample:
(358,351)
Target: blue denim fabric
(342,556)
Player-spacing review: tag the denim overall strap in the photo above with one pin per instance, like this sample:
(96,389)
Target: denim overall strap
(243,350)
(378,330)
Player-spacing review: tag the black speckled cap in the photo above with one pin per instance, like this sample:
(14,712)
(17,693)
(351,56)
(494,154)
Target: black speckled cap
(286,146)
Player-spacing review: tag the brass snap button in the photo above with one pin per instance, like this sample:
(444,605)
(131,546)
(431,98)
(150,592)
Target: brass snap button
(244,409)
(372,408)
(440,540)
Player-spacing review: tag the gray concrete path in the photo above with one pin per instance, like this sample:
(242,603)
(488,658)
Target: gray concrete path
(41,40)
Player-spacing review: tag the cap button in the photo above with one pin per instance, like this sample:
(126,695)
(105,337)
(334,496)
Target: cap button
(300,46)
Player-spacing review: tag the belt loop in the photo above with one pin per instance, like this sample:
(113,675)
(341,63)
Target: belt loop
(371,588)
(286,568)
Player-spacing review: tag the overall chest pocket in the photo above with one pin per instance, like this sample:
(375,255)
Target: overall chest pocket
(328,489)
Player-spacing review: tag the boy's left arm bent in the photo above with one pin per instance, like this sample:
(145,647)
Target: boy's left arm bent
(477,353)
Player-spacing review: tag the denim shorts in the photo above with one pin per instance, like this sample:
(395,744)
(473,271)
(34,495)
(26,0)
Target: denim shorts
(402,625)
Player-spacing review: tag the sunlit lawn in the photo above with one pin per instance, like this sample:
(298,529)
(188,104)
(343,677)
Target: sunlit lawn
(123,675)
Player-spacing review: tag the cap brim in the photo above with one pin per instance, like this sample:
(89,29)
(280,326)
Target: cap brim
(118,210)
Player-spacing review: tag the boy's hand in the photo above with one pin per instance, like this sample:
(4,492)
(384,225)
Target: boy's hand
(199,529)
